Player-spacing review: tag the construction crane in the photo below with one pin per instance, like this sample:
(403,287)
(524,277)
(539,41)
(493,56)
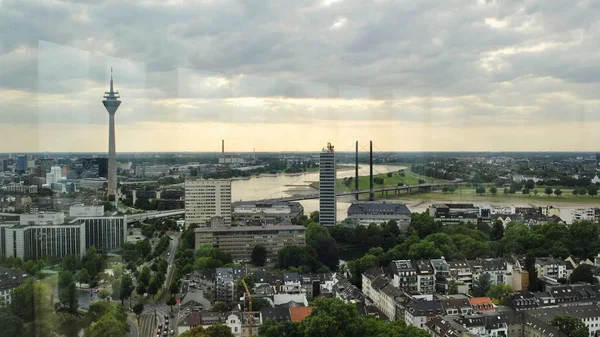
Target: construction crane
(250,321)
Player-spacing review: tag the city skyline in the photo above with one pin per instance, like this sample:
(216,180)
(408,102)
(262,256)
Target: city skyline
(494,76)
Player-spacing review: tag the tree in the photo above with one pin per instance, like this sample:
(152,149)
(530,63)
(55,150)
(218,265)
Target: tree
(332,317)
(217,330)
(220,307)
(327,253)
(571,326)
(445,189)
(112,323)
(452,287)
(506,190)
(499,293)
(592,190)
(104,294)
(31,300)
(141,289)
(31,303)
(557,192)
(530,267)
(526,191)
(548,191)
(493,190)
(259,303)
(67,291)
(530,184)
(144,277)
(480,190)
(424,250)
(582,192)
(583,273)
(175,286)
(290,256)
(452,188)
(154,286)
(259,255)
(171,302)
(69,325)
(82,276)
(144,247)
(11,324)
(575,192)
(93,262)
(497,231)
(482,285)
(138,309)
(584,238)
(126,287)
(314,216)
(273,328)
(535,191)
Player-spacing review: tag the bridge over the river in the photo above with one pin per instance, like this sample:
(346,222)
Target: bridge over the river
(383,190)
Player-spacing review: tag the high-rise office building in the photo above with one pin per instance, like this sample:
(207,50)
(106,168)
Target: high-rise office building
(54,176)
(21,163)
(94,168)
(206,199)
(111,103)
(106,233)
(327,196)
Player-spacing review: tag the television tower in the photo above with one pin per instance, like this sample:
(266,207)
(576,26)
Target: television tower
(111,103)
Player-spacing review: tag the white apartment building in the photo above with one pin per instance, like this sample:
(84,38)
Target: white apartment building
(551,267)
(205,199)
(38,242)
(42,219)
(82,210)
(9,280)
(20,188)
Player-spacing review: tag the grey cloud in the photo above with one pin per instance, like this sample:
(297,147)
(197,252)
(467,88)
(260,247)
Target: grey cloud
(386,51)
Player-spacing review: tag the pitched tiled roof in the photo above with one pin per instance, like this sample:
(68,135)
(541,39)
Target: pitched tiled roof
(297,314)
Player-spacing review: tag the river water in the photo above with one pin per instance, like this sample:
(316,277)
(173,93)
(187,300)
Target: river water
(277,186)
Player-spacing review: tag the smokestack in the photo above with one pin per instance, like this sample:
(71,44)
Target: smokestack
(223,147)
(371,194)
(356,172)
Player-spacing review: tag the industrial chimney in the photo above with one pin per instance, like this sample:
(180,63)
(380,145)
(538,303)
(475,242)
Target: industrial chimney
(371,193)
(356,172)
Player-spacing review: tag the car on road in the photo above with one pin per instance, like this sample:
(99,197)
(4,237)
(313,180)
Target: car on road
(166,333)
(166,317)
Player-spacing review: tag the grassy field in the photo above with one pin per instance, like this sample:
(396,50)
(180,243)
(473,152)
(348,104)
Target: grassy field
(469,195)
(409,178)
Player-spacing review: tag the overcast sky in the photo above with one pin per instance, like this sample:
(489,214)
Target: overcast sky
(420,75)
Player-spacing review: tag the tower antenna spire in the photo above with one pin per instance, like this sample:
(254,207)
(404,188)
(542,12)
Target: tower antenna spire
(111,80)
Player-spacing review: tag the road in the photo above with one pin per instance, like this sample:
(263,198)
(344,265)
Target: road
(133,329)
(154,314)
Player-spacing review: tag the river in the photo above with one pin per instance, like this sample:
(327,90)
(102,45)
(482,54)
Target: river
(285,185)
